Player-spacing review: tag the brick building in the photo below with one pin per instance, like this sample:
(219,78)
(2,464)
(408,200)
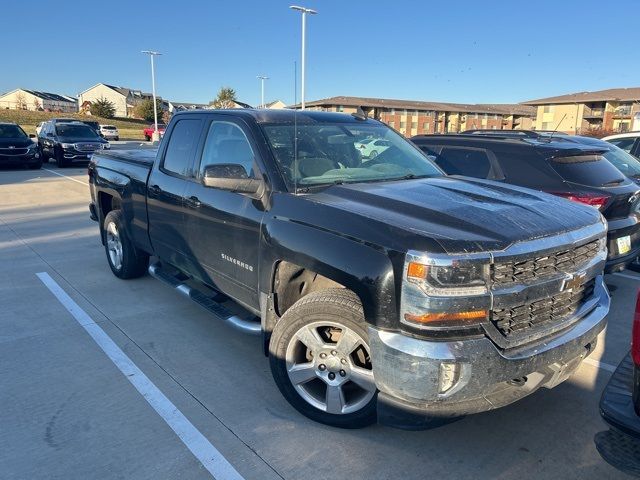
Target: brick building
(415,118)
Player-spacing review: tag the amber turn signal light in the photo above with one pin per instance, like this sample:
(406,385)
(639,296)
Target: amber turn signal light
(417,270)
(430,318)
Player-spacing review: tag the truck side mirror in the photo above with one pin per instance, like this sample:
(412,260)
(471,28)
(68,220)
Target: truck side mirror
(232,177)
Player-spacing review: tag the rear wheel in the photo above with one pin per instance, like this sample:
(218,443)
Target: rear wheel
(320,359)
(35,166)
(126,261)
(373,154)
(147,138)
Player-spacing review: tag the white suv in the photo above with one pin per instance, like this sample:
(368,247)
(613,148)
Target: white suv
(110,132)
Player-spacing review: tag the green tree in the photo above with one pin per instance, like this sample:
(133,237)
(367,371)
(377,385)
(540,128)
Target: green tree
(103,108)
(226,98)
(144,110)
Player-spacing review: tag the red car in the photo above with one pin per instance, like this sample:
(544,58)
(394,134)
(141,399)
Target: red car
(148,132)
(620,408)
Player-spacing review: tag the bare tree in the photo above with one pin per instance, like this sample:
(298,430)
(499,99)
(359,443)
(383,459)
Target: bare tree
(21,101)
(36,104)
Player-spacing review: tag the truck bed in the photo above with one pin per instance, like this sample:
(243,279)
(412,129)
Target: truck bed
(139,156)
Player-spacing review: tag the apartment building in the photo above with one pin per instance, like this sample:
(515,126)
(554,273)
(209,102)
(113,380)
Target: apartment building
(23,99)
(416,117)
(615,109)
(124,99)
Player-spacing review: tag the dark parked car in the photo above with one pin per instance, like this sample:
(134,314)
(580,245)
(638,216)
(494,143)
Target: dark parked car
(575,171)
(94,125)
(17,149)
(620,408)
(69,142)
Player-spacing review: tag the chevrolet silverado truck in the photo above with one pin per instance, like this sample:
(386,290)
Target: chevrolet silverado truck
(383,289)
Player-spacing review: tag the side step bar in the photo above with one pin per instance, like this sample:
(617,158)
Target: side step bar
(209,303)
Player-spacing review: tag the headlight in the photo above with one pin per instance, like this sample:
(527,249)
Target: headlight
(444,292)
(68,145)
(458,279)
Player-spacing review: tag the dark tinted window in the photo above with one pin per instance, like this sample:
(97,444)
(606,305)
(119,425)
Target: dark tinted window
(471,162)
(11,131)
(527,168)
(591,170)
(182,143)
(76,131)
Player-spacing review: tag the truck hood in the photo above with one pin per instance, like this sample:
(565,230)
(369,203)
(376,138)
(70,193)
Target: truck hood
(461,214)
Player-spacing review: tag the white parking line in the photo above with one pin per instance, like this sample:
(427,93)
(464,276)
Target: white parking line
(68,178)
(599,364)
(202,449)
(626,275)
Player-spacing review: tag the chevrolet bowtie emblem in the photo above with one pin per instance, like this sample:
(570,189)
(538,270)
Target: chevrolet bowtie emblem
(573,282)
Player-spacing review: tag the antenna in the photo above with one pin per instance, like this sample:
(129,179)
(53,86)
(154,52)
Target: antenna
(557,126)
(295,128)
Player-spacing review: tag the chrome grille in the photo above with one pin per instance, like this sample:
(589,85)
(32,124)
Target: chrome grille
(529,270)
(552,309)
(13,151)
(87,147)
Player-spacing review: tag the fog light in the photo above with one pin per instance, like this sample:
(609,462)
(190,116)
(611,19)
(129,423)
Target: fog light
(448,376)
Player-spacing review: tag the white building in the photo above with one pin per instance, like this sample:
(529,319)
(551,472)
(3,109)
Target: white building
(22,99)
(124,99)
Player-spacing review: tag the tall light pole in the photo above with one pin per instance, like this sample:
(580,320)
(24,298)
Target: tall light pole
(262,78)
(156,135)
(304,11)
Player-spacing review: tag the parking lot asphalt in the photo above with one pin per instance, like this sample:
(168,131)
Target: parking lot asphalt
(68,412)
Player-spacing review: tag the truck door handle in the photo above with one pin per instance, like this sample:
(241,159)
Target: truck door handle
(193,202)
(155,190)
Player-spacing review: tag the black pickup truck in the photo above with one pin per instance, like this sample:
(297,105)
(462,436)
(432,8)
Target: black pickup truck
(382,288)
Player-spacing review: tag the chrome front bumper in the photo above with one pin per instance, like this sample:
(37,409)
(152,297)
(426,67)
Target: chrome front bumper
(420,379)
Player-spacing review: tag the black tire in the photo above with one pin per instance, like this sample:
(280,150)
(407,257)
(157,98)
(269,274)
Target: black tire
(134,262)
(36,166)
(337,306)
(61,162)
(44,156)
(116,138)
(147,138)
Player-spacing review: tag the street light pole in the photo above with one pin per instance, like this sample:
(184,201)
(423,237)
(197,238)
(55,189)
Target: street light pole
(156,135)
(304,11)
(262,78)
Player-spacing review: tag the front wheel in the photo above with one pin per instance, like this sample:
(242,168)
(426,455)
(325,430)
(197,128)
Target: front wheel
(320,359)
(60,160)
(126,261)
(36,166)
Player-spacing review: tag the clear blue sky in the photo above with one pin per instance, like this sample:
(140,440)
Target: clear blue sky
(457,51)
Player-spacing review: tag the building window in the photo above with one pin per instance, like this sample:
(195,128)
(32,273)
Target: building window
(547,125)
(414,124)
(392,124)
(392,111)
(425,126)
(547,109)
(339,108)
(403,124)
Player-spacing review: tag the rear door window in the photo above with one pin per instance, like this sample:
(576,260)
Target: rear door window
(589,170)
(181,148)
(471,162)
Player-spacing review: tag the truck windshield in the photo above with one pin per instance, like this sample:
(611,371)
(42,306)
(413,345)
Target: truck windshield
(330,153)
